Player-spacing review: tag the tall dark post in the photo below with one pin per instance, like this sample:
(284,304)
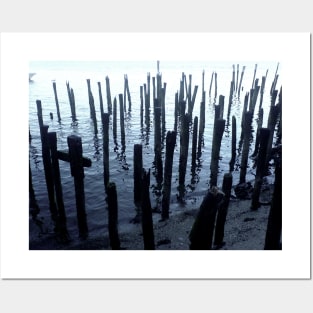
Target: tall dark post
(122,120)
(61,220)
(141,106)
(170,145)
(56,101)
(113,217)
(77,171)
(109,101)
(147,222)
(183,157)
(106,166)
(194,141)
(137,174)
(201,127)
(157,141)
(219,126)
(274,227)
(101,102)
(115,120)
(233,144)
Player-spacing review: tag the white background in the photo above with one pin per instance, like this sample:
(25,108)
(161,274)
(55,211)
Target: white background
(292,262)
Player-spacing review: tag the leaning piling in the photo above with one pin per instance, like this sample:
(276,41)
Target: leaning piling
(105,134)
(56,101)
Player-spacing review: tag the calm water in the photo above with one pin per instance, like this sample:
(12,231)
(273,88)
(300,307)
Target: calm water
(121,168)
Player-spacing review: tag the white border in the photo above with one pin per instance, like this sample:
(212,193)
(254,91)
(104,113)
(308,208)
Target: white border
(291,49)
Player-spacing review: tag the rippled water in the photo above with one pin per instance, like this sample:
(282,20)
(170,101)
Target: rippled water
(121,168)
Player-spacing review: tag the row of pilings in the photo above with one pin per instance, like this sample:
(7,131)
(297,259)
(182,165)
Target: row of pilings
(213,211)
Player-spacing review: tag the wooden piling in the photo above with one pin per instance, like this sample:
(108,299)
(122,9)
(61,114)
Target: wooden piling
(236,87)
(170,145)
(147,222)
(56,101)
(113,217)
(108,92)
(61,227)
(46,159)
(101,101)
(138,165)
(233,144)
(273,240)
(215,94)
(255,69)
(246,145)
(176,112)
(105,134)
(71,98)
(201,234)
(141,106)
(257,137)
(92,107)
(219,126)
(201,127)
(33,205)
(183,157)
(77,171)
(128,94)
(241,77)
(194,141)
(211,84)
(264,137)
(157,141)
(115,120)
(122,119)
(222,211)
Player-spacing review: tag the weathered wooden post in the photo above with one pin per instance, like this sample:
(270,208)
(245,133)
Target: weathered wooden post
(105,134)
(219,126)
(77,171)
(211,84)
(176,113)
(101,102)
(92,107)
(264,137)
(157,141)
(245,148)
(215,94)
(138,164)
(183,157)
(194,141)
(233,144)
(122,120)
(71,98)
(147,222)
(61,227)
(257,137)
(108,92)
(274,225)
(201,234)
(241,77)
(113,216)
(236,87)
(222,211)
(56,100)
(115,120)
(46,158)
(201,127)
(170,145)
(141,106)
(33,205)
(128,93)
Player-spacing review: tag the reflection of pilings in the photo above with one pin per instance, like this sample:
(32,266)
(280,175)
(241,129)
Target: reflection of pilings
(219,126)
(274,225)
(77,171)
(108,92)
(223,210)
(147,222)
(61,219)
(263,138)
(170,145)
(113,217)
(184,144)
(105,134)
(33,205)
(246,145)
(56,100)
(233,144)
